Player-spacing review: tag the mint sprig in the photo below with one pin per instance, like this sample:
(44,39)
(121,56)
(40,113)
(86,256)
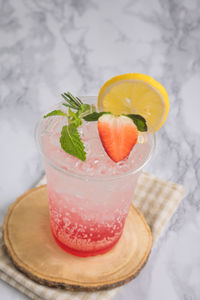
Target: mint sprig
(70,139)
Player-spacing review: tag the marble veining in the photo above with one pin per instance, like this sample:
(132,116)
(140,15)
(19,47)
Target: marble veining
(47,47)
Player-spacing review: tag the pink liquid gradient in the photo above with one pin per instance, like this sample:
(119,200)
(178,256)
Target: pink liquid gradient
(88,201)
(80,235)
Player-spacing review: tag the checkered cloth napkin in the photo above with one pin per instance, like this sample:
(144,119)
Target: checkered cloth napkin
(155,198)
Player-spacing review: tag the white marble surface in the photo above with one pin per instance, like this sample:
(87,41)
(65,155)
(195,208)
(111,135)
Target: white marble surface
(47,47)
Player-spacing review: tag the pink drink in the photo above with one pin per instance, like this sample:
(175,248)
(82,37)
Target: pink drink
(88,201)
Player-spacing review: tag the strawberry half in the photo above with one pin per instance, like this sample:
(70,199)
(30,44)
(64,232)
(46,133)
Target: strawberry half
(118,135)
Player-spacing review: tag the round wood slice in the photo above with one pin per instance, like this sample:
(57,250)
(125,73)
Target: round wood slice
(33,250)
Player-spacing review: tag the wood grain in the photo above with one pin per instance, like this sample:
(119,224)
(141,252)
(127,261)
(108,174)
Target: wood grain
(31,247)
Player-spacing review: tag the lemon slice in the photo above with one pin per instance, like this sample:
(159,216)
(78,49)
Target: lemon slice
(135,93)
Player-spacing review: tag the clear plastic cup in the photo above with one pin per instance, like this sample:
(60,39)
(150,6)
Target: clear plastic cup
(87,213)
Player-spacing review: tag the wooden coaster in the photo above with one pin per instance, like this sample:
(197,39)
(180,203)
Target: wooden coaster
(33,250)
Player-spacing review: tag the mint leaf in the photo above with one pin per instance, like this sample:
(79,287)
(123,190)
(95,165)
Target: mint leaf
(71,142)
(94,116)
(139,121)
(84,110)
(77,111)
(73,118)
(55,113)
